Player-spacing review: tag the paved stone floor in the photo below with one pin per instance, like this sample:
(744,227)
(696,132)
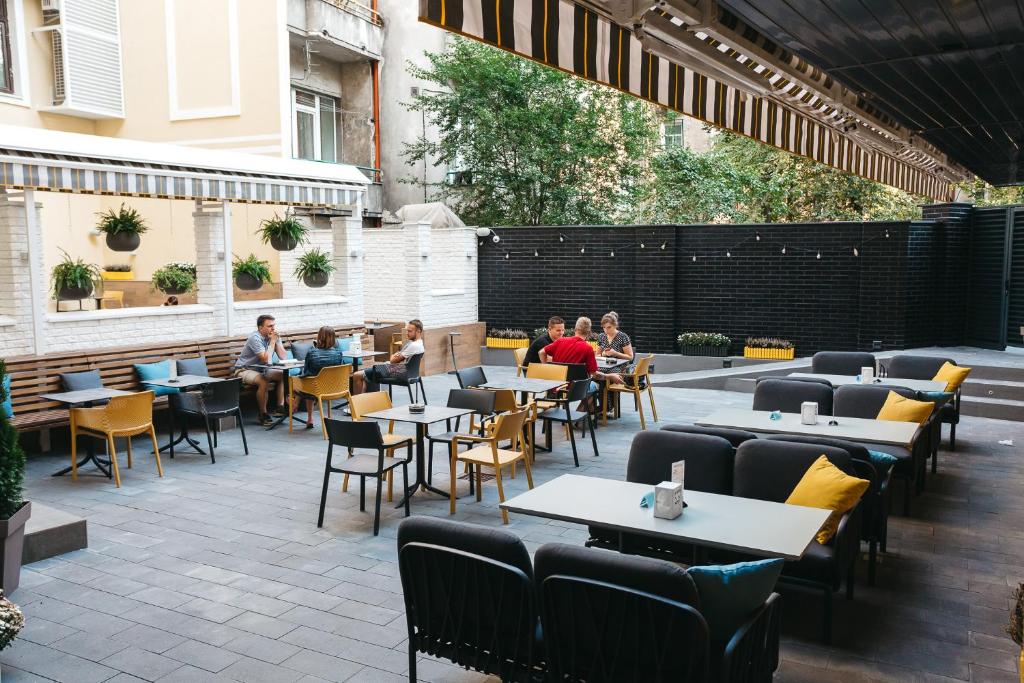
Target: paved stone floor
(219,573)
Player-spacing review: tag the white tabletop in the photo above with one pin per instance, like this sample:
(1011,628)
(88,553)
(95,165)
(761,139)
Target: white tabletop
(757,527)
(840,380)
(527,385)
(849,428)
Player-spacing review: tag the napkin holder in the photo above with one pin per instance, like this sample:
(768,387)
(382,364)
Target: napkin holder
(668,500)
(417,408)
(809,413)
(867,375)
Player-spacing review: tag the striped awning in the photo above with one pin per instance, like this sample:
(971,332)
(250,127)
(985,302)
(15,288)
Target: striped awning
(85,164)
(581,41)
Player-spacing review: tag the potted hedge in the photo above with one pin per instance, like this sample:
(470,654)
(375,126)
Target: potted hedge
(283,234)
(250,273)
(314,268)
(769,347)
(1015,629)
(703,344)
(122,228)
(14,511)
(73,278)
(174,279)
(11,621)
(507,339)
(118,271)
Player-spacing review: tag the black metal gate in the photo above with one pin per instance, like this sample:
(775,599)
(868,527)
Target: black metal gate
(996,277)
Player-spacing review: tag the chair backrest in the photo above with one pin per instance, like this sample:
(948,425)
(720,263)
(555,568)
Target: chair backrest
(578,390)
(770,470)
(480,401)
(354,434)
(574,371)
(222,396)
(333,379)
(193,366)
(505,400)
(709,460)
(643,366)
(471,377)
(865,400)
(547,371)
(487,618)
(412,366)
(733,436)
(510,426)
(909,366)
(612,617)
(520,355)
(130,411)
(785,395)
(370,402)
(841,362)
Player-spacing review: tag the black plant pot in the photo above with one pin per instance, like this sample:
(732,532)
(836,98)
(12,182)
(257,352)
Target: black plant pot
(283,243)
(173,290)
(123,241)
(73,293)
(248,282)
(316,279)
(12,540)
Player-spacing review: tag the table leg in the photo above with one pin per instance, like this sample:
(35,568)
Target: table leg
(421,467)
(286,378)
(90,456)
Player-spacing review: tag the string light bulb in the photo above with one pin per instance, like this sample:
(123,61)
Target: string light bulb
(887,234)
(856,251)
(612,254)
(583,250)
(757,236)
(819,256)
(495,239)
(694,258)
(536,254)
(728,254)
(783,249)
(506,255)
(480,243)
(561,237)
(663,245)
(643,246)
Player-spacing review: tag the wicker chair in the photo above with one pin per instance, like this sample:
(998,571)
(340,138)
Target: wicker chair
(125,416)
(330,384)
(635,383)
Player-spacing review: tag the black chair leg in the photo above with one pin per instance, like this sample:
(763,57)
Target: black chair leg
(405,485)
(593,436)
(952,436)
(323,494)
(572,436)
(241,428)
(362,493)
(376,511)
(389,391)
(430,463)
(469,472)
(209,439)
(408,388)
(215,444)
(421,390)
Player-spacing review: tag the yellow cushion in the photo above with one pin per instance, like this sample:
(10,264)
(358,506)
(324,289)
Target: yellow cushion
(825,486)
(900,409)
(952,375)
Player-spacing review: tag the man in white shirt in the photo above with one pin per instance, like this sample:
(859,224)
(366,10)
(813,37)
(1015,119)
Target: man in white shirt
(395,367)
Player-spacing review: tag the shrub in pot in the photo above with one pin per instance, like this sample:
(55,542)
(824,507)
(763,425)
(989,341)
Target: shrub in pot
(122,228)
(703,344)
(172,279)
(14,511)
(283,234)
(314,268)
(73,278)
(250,273)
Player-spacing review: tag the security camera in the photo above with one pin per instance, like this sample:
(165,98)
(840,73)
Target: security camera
(495,239)
(483,232)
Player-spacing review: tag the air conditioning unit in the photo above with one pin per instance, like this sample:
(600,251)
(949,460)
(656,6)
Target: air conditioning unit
(50,5)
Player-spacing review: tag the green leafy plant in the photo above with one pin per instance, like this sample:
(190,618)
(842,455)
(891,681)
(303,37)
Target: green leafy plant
(1015,629)
(12,463)
(118,268)
(703,339)
(183,265)
(286,229)
(124,220)
(73,273)
(768,343)
(174,278)
(539,332)
(508,334)
(11,621)
(253,267)
(313,262)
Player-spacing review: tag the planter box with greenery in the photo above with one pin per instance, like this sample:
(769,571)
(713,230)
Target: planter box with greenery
(118,271)
(122,228)
(14,511)
(769,347)
(175,278)
(283,234)
(508,339)
(314,268)
(703,344)
(73,279)
(250,273)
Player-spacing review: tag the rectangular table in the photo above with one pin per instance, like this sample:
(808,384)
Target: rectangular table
(182,383)
(841,380)
(83,397)
(527,386)
(848,428)
(755,527)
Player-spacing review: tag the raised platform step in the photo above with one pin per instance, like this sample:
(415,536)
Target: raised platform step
(50,532)
(997,409)
(994,389)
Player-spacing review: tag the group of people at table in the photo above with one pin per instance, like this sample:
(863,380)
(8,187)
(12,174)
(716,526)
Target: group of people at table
(254,364)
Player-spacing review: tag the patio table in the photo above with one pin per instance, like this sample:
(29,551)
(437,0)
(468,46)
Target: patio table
(841,380)
(85,397)
(526,386)
(182,383)
(848,428)
(754,527)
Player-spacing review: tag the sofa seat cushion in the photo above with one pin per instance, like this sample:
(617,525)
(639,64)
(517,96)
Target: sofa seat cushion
(904,459)
(816,564)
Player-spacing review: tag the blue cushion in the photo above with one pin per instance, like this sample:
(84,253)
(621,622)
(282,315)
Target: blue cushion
(193,366)
(730,593)
(288,356)
(6,408)
(939,397)
(883,462)
(345,343)
(76,381)
(150,371)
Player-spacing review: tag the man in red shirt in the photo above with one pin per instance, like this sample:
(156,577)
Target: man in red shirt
(575,349)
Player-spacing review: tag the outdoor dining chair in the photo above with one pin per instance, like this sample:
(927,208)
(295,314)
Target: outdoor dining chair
(635,384)
(469,378)
(841,362)
(212,402)
(787,396)
(910,366)
(486,452)
(371,402)
(411,378)
(481,402)
(330,384)
(520,357)
(123,417)
(561,412)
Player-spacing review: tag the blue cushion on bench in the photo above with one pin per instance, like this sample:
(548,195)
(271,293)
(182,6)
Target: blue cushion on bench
(288,356)
(159,370)
(345,343)
(6,408)
(730,593)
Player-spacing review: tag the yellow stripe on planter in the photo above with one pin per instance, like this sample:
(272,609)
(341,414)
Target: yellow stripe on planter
(774,354)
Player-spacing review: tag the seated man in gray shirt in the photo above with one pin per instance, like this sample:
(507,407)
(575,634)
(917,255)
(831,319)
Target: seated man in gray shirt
(395,367)
(258,349)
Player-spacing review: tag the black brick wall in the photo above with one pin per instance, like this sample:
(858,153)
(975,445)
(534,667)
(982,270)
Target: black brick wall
(838,302)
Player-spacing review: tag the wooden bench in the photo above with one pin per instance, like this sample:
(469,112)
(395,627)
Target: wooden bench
(32,376)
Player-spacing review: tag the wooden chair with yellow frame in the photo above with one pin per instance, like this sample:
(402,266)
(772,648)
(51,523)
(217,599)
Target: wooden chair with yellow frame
(124,416)
(552,372)
(507,427)
(330,384)
(362,404)
(520,356)
(635,385)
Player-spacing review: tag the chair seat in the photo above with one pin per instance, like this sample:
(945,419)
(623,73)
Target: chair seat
(558,415)
(815,565)
(366,464)
(483,455)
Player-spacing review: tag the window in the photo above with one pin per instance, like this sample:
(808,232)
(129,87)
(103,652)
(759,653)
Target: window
(315,126)
(672,133)
(6,70)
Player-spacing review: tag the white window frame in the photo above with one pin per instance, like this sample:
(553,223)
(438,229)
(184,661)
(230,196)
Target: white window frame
(19,56)
(313,110)
(682,132)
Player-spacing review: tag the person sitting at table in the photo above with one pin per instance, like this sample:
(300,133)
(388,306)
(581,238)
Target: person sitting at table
(576,349)
(613,342)
(258,350)
(395,367)
(324,354)
(556,330)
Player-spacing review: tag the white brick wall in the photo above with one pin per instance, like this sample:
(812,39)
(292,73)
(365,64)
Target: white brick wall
(15,283)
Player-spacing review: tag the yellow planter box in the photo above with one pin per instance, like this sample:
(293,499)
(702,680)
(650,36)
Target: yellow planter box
(775,354)
(117,275)
(593,345)
(499,343)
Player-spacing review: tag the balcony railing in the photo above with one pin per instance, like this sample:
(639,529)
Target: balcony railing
(359,9)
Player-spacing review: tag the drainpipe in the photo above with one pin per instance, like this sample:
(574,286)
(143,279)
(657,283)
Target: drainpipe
(375,71)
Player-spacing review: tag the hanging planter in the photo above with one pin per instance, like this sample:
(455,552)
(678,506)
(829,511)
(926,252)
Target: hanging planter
(175,278)
(283,234)
(122,228)
(250,273)
(73,279)
(314,268)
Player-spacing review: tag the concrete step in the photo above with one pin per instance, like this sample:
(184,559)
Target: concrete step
(994,389)
(1001,373)
(998,409)
(50,532)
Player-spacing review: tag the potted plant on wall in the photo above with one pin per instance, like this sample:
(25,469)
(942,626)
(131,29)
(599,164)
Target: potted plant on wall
(174,279)
(118,271)
(314,268)
(14,511)
(122,228)
(507,339)
(250,273)
(769,347)
(703,344)
(283,234)
(73,278)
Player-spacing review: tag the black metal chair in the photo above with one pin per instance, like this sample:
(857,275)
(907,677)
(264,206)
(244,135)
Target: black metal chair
(469,598)
(771,393)
(212,402)
(909,366)
(841,362)
(562,414)
(733,436)
(481,402)
(471,377)
(611,617)
(367,435)
(412,377)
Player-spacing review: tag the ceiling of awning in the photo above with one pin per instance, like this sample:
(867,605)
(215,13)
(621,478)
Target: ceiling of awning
(948,70)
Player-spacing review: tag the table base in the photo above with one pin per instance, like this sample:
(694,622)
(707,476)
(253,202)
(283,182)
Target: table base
(90,456)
